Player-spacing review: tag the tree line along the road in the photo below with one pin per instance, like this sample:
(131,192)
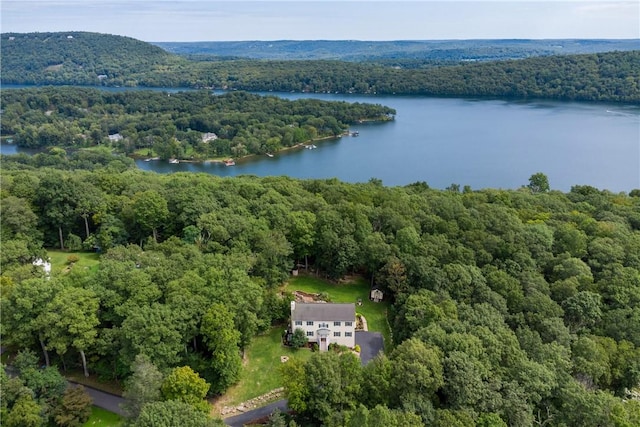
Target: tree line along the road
(508,306)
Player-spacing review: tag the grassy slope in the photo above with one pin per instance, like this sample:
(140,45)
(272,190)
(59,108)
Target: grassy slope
(260,373)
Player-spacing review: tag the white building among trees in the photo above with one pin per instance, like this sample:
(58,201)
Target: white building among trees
(325,323)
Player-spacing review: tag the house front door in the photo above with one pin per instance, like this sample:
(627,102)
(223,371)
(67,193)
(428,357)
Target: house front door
(323,344)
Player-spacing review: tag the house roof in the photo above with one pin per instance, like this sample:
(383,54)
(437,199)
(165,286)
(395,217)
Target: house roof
(324,311)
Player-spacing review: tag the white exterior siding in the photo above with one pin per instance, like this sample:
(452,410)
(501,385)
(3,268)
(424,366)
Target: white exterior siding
(325,319)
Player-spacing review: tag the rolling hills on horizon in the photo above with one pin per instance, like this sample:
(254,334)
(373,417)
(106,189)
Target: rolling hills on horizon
(92,59)
(422,50)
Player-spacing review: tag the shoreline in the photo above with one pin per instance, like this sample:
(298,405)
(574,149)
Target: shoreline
(248,156)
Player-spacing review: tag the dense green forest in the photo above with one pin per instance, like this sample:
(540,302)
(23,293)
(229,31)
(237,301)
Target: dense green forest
(509,307)
(81,58)
(193,125)
(95,59)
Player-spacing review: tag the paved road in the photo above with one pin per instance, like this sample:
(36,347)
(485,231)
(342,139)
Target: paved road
(371,343)
(111,402)
(101,399)
(256,414)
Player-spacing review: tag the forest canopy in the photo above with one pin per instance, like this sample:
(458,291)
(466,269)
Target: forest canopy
(517,306)
(194,125)
(78,58)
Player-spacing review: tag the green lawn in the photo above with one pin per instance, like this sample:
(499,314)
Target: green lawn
(375,313)
(260,374)
(103,418)
(144,152)
(86,260)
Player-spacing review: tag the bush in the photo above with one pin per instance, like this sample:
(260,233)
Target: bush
(299,338)
(356,348)
(72,259)
(73,243)
(324,296)
(74,409)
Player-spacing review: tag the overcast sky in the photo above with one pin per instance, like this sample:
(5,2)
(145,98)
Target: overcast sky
(206,20)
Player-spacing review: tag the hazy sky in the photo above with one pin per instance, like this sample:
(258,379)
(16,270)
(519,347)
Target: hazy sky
(193,20)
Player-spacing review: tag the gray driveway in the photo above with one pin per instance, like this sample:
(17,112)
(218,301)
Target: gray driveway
(371,343)
(101,399)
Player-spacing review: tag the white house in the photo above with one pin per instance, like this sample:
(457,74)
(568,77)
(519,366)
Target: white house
(325,323)
(115,137)
(209,136)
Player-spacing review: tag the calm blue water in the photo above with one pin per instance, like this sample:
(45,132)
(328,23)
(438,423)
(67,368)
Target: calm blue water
(481,143)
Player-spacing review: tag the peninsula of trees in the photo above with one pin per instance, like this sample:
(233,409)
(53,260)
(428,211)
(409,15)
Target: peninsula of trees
(509,307)
(193,125)
(79,58)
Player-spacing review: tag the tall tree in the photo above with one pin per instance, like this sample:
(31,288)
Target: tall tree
(142,387)
(56,199)
(72,318)
(333,383)
(150,210)
(538,183)
(221,339)
(25,312)
(185,385)
(417,368)
(151,330)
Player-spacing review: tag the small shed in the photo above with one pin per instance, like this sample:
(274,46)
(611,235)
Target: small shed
(376,294)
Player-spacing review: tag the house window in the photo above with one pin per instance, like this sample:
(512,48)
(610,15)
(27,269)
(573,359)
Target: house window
(336,334)
(324,325)
(309,322)
(348,323)
(298,322)
(348,334)
(336,323)
(309,333)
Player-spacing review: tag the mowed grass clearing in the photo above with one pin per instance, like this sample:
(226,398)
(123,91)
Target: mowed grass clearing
(103,418)
(261,370)
(374,312)
(86,260)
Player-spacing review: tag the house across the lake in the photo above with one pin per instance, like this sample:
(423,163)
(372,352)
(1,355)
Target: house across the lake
(325,323)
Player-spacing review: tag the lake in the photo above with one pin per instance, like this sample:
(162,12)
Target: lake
(476,142)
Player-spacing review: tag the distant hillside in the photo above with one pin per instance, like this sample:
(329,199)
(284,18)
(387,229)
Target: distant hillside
(77,58)
(95,59)
(415,50)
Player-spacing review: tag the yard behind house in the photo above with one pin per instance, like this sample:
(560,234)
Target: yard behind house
(374,312)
